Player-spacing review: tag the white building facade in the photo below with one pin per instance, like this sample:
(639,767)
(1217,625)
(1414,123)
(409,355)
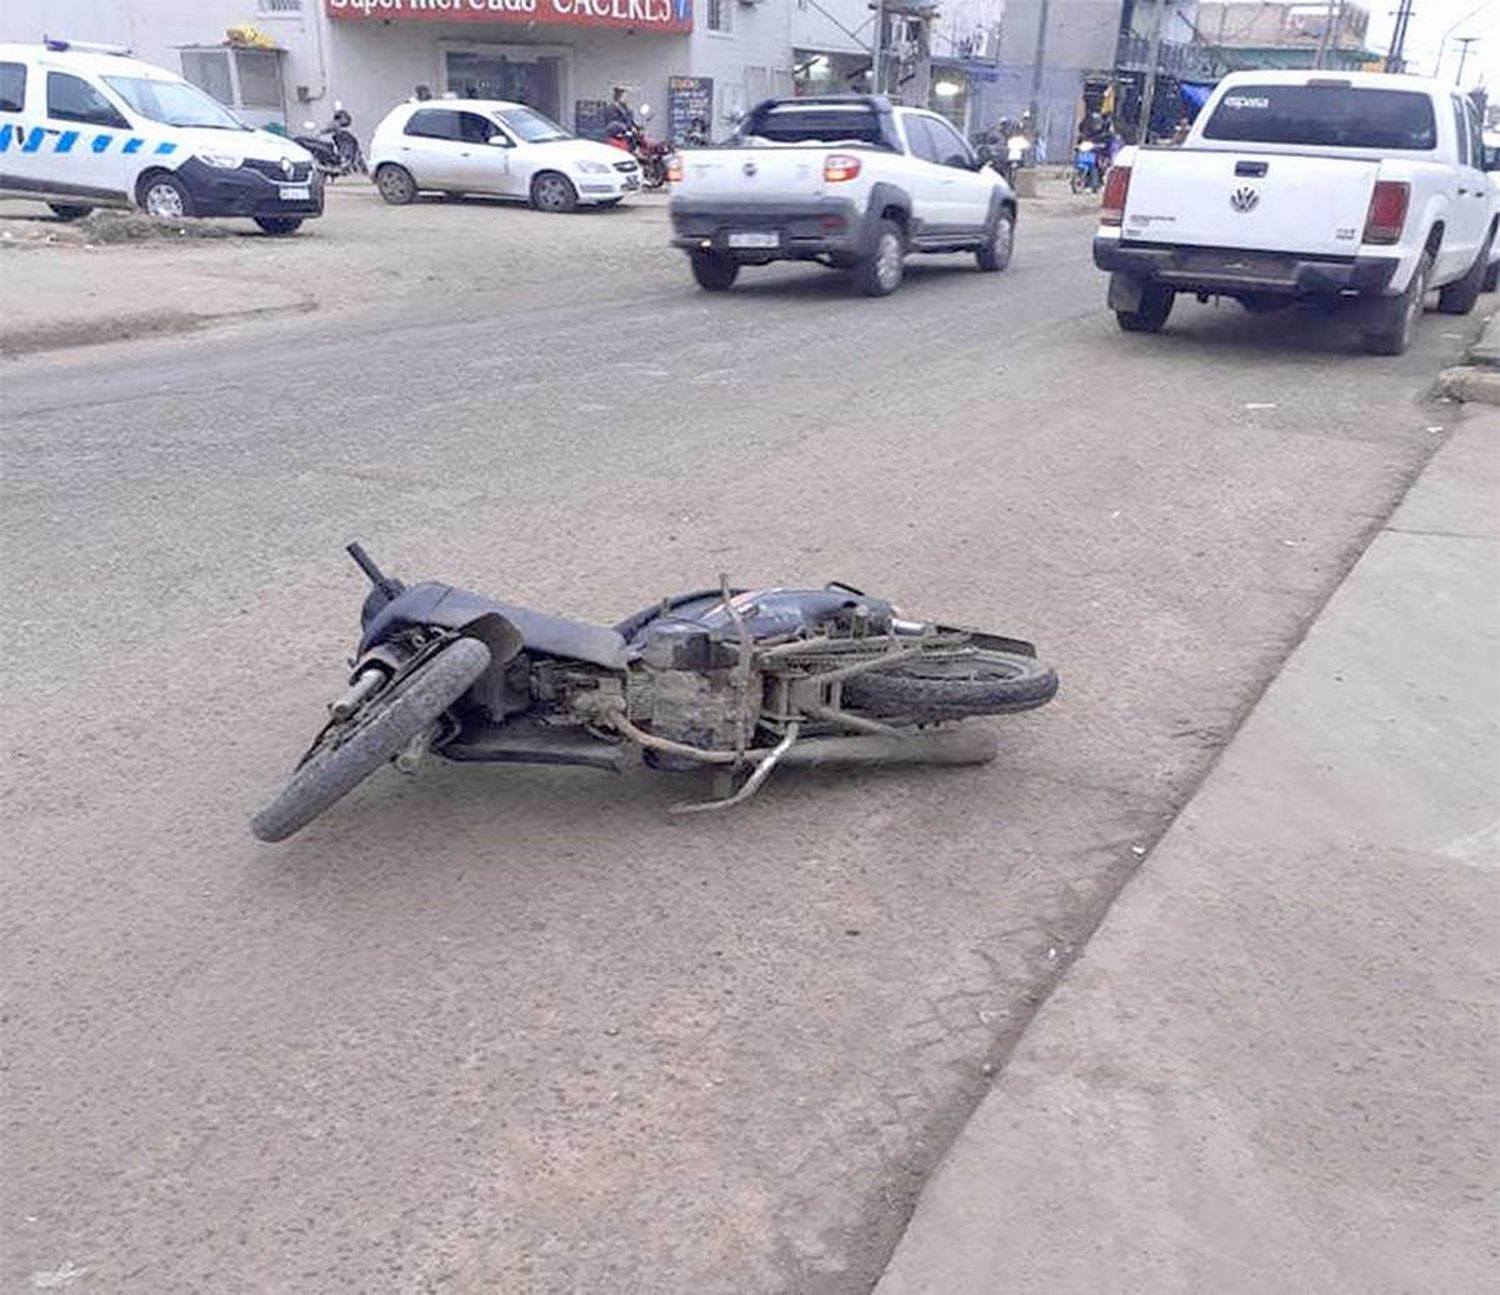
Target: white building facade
(701,57)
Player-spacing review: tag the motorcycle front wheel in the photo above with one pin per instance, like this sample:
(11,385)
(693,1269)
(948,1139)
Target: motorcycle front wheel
(653,173)
(350,752)
(950,685)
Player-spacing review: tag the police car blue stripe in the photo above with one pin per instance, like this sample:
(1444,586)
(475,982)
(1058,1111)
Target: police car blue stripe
(31,141)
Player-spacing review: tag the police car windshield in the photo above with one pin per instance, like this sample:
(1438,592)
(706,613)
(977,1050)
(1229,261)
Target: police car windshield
(531,126)
(174,103)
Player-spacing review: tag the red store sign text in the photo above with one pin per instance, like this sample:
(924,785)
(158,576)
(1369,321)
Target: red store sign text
(647,15)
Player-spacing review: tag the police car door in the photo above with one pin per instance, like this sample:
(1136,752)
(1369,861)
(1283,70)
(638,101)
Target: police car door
(12,119)
(82,153)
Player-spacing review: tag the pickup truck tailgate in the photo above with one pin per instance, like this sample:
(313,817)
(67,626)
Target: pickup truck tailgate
(751,175)
(1277,202)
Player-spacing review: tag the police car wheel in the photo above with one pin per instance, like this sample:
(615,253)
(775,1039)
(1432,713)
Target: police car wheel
(66,211)
(165,197)
(279,224)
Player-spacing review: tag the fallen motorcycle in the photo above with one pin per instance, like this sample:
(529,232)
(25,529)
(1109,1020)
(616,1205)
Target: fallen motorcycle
(732,681)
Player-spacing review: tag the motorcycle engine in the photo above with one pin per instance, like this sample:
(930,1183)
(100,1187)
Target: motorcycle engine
(688,686)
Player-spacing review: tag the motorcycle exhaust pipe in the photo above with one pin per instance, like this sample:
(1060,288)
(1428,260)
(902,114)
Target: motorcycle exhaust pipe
(365,683)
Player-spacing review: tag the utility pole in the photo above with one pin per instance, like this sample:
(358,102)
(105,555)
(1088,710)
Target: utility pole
(1148,95)
(878,54)
(1036,65)
(1394,60)
(1331,23)
(1463,57)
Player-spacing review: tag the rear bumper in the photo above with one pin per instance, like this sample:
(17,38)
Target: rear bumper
(1231,271)
(816,227)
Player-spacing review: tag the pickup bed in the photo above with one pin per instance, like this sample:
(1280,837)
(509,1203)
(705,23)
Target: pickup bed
(850,181)
(1361,188)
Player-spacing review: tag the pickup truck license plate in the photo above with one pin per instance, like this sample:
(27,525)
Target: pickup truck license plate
(755,239)
(295,193)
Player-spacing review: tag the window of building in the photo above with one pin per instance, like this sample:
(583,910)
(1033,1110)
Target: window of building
(717,15)
(274,8)
(237,78)
(70,98)
(12,87)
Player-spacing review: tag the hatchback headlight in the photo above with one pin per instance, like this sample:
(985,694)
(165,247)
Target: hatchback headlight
(223,161)
(593,168)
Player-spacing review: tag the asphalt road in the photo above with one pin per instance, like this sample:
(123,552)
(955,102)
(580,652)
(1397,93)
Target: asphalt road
(513,1030)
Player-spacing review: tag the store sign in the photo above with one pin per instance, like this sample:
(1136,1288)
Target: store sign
(645,15)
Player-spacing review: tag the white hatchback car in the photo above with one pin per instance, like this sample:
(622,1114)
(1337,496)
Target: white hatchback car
(491,146)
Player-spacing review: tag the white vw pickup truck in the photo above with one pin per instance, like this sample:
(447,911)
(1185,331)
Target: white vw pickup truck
(1358,188)
(847,180)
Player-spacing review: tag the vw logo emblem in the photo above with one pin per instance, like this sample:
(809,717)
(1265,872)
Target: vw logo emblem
(1244,199)
(749,168)
(286,166)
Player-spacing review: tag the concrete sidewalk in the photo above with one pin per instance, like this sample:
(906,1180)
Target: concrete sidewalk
(1274,1067)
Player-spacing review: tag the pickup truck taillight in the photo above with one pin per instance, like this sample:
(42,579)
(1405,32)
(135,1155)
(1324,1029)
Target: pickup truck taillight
(839,166)
(1387,215)
(1116,190)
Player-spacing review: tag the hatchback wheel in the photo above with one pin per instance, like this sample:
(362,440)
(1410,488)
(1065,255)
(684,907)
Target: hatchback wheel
(553,192)
(395,184)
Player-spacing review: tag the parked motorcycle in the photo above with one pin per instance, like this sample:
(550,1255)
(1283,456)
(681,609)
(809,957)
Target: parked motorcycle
(335,149)
(732,681)
(652,154)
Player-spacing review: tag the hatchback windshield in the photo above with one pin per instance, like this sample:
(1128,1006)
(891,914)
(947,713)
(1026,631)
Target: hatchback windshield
(531,126)
(174,103)
(1324,116)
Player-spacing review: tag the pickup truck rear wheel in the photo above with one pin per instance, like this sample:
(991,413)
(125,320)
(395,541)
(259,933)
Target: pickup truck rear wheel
(995,252)
(1459,298)
(714,273)
(879,274)
(1151,315)
(1395,318)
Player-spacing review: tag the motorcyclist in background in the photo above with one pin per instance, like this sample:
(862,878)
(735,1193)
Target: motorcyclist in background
(618,115)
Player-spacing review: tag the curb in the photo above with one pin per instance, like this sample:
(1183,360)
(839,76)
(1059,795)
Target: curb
(1470,384)
(15,343)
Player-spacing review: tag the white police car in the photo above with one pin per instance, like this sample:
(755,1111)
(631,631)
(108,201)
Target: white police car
(85,127)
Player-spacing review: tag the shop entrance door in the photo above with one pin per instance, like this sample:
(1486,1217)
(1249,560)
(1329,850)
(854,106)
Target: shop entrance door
(511,73)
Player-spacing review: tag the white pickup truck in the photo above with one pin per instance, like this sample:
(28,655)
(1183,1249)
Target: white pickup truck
(1335,187)
(847,180)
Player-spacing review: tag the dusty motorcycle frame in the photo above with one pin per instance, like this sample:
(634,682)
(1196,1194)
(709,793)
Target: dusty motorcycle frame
(734,682)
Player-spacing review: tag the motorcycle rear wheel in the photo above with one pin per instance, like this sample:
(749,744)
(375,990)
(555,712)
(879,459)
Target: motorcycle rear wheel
(375,733)
(950,685)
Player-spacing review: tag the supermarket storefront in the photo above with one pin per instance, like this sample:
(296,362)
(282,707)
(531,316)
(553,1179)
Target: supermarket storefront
(560,56)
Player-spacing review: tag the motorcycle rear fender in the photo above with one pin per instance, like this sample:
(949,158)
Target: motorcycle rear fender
(503,628)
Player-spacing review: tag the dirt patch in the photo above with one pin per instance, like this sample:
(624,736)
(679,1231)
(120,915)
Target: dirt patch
(106,228)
